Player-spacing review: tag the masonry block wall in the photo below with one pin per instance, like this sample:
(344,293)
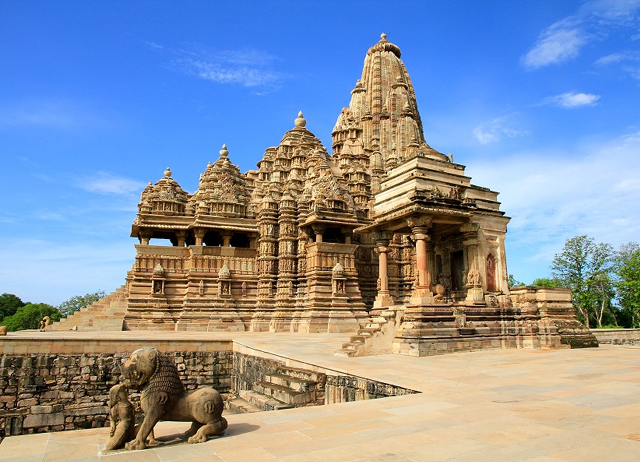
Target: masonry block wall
(53,392)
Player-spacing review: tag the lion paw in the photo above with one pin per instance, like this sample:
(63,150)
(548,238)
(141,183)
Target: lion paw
(196,439)
(135,445)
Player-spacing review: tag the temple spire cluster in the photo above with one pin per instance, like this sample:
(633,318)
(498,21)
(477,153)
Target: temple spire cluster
(383,227)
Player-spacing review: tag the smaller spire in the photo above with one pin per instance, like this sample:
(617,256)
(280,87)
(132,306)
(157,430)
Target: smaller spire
(224,152)
(383,37)
(300,121)
(167,173)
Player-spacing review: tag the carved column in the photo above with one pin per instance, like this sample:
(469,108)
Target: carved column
(318,230)
(422,294)
(181,237)
(199,235)
(470,234)
(384,297)
(145,236)
(475,292)
(226,239)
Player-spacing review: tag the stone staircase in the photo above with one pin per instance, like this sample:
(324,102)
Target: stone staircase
(377,335)
(106,314)
(285,388)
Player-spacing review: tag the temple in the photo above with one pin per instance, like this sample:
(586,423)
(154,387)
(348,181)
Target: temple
(385,238)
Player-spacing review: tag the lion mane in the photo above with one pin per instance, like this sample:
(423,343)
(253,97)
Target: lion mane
(165,378)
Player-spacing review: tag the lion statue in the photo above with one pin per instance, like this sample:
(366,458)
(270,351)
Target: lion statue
(163,397)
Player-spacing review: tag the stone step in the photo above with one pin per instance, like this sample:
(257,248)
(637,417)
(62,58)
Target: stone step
(294,383)
(105,314)
(300,373)
(284,394)
(263,402)
(367,331)
(241,406)
(344,353)
(351,346)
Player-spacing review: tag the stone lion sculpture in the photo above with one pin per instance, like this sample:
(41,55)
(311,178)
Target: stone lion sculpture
(163,397)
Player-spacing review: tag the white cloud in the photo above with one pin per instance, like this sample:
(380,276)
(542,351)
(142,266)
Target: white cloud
(105,183)
(248,68)
(558,43)
(220,73)
(594,20)
(552,197)
(496,130)
(628,60)
(572,100)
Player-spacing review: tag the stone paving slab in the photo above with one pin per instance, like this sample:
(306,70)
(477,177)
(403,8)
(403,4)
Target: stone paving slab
(497,405)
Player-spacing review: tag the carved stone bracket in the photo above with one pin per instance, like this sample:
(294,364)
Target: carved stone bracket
(419,221)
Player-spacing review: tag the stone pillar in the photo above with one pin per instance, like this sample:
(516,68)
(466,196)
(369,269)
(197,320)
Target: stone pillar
(475,292)
(420,235)
(384,297)
(318,230)
(422,293)
(199,235)
(181,237)
(226,239)
(144,236)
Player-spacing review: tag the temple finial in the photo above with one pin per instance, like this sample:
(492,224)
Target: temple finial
(300,121)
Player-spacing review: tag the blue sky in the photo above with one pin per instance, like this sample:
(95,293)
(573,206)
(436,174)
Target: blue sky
(539,99)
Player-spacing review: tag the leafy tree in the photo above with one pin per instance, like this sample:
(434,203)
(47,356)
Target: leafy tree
(584,267)
(547,282)
(29,316)
(9,304)
(513,282)
(78,302)
(627,281)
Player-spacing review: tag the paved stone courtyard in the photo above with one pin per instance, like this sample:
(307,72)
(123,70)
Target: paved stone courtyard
(495,405)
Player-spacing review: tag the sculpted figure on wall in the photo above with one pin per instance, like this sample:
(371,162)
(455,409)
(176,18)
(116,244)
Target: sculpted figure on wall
(473,278)
(163,397)
(122,417)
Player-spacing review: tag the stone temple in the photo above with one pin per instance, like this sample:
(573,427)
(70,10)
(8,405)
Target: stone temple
(384,238)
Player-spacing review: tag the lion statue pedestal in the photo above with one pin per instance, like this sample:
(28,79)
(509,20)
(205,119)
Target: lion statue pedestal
(163,397)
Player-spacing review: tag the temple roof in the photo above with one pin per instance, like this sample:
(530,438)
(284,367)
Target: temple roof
(221,183)
(383,110)
(299,170)
(166,197)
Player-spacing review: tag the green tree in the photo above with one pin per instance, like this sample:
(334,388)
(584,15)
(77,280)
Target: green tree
(585,267)
(9,304)
(513,282)
(29,316)
(78,302)
(627,281)
(547,282)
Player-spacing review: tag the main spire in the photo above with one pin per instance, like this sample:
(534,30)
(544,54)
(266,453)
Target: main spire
(383,112)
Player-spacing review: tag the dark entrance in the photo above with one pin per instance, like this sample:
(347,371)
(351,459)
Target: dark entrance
(457,270)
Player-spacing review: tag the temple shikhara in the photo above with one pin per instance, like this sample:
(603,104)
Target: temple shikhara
(384,239)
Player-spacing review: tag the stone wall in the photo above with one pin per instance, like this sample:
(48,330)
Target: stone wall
(346,388)
(617,336)
(52,392)
(334,386)
(57,383)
